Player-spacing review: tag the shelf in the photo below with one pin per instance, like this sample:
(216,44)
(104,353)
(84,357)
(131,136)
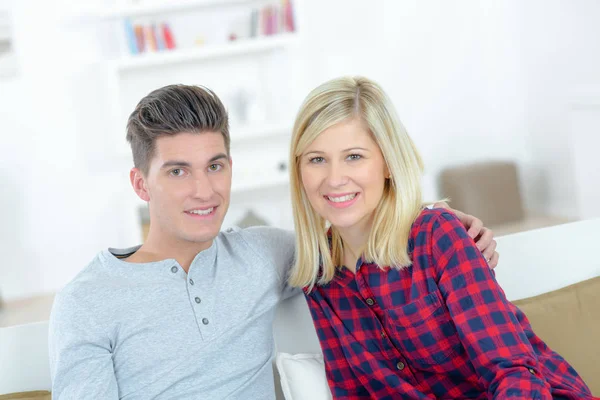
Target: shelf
(235,48)
(154,8)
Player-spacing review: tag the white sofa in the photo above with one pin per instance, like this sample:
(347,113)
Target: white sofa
(531,263)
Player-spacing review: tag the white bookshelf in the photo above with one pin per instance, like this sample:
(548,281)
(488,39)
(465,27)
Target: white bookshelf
(240,47)
(153,8)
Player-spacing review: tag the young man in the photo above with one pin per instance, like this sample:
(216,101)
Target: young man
(187,315)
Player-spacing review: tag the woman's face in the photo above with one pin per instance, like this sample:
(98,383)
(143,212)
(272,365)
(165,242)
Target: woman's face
(343,173)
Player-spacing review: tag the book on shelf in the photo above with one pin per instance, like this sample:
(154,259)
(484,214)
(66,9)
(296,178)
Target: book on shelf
(132,44)
(147,36)
(272,19)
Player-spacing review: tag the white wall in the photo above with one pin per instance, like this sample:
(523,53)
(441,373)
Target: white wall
(451,68)
(560,55)
(57,207)
(472,80)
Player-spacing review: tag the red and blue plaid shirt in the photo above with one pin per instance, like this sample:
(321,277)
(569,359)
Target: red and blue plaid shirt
(441,328)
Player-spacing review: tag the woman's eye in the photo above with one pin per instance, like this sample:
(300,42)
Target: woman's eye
(317,160)
(215,167)
(353,157)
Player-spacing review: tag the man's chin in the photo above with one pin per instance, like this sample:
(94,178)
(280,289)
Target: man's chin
(202,237)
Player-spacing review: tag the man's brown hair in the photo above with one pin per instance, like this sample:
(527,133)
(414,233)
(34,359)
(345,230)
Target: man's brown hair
(171,110)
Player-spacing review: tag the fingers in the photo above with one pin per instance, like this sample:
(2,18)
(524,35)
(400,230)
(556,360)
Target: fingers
(489,251)
(475,229)
(486,237)
(493,262)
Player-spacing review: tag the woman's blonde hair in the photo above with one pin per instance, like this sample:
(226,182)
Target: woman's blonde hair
(329,104)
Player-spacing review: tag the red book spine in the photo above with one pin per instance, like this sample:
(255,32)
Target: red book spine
(168,35)
(289,17)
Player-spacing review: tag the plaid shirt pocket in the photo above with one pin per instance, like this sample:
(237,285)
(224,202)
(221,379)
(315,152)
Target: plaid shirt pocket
(425,333)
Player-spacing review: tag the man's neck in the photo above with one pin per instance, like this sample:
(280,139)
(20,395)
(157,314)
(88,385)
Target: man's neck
(157,249)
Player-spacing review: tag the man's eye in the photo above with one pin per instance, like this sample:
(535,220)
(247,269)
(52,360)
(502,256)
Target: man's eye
(177,172)
(317,160)
(215,167)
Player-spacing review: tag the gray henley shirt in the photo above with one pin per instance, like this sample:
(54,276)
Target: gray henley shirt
(150,331)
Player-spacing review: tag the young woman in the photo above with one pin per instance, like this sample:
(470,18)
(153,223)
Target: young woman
(404,303)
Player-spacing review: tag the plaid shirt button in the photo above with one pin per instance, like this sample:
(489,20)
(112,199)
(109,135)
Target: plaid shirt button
(370,301)
(400,366)
(532,371)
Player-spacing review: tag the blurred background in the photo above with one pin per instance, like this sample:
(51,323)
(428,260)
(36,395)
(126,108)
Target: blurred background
(501,97)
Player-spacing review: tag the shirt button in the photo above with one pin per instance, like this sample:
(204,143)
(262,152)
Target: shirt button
(205,321)
(191,282)
(174,269)
(370,301)
(197,300)
(400,366)
(383,335)
(532,371)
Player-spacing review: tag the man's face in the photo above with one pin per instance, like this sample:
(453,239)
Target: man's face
(188,187)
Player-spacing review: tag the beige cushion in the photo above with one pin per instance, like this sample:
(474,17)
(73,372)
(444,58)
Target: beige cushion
(568,321)
(37,395)
(489,190)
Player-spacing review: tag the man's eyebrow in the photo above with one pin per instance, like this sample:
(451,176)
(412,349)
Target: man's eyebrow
(218,157)
(179,163)
(175,163)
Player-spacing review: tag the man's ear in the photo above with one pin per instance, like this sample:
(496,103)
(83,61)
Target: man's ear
(138,182)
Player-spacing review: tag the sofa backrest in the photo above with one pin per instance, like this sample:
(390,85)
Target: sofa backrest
(24,364)
(542,260)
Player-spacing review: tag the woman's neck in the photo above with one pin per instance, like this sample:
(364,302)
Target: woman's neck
(353,244)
